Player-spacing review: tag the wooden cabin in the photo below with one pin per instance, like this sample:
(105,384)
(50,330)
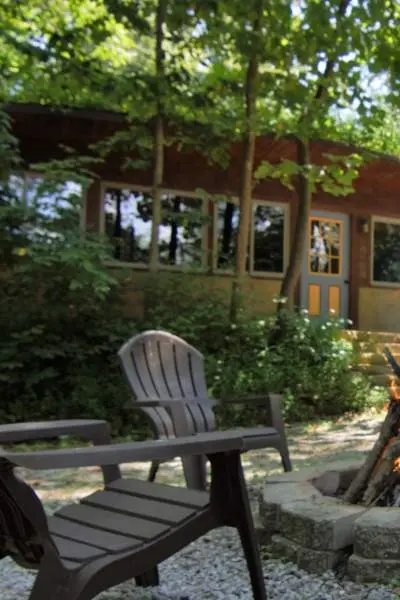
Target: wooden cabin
(352,265)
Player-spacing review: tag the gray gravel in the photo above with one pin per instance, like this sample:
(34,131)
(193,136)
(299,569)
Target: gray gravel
(213,568)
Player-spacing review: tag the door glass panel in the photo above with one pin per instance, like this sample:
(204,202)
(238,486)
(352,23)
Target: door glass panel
(334,299)
(314,299)
(325,246)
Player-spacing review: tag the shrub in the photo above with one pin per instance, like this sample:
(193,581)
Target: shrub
(312,366)
(60,318)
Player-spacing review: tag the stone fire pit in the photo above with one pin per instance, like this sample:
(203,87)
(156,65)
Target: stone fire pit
(301,522)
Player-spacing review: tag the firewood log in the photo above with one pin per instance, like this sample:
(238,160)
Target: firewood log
(383,476)
(389,429)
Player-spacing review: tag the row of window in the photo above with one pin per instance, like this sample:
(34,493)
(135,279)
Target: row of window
(199,233)
(188,225)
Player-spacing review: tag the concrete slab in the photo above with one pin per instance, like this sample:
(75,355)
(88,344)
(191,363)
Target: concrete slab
(276,494)
(312,561)
(377,534)
(325,524)
(372,570)
(309,473)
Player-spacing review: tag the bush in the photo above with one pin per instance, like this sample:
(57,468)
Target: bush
(60,318)
(312,366)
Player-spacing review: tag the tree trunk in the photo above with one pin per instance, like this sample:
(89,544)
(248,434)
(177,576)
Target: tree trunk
(299,243)
(300,237)
(173,242)
(226,235)
(158,136)
(246,183)
(118,225)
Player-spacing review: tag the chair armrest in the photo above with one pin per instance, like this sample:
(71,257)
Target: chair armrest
(201,443)
(256,399)
(88,429)
(92,430)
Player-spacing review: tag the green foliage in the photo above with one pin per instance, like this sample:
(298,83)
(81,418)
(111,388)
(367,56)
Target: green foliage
(60,317)
(311,366)
(335,178)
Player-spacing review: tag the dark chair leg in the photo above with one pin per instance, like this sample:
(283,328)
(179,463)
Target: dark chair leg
(242,519)
(153,471)
(285,458)
(54,585)
(194,469)
(149,579)
(276,420)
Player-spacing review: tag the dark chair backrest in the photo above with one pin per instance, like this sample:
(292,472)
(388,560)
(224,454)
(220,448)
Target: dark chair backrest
(161,366)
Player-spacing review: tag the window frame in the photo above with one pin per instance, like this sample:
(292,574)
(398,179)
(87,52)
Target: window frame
(286,239)
(148,189)
(380,219)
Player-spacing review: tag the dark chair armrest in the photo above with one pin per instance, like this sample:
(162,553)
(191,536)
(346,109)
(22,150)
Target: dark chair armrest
(251,399)
(161,450)
(87,429)
(92,430)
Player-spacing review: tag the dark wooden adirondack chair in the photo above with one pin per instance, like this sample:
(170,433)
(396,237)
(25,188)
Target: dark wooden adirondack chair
(162,369)
(127,528)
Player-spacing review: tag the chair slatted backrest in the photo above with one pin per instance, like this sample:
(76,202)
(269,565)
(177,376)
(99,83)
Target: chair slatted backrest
(23,523)
(159,365)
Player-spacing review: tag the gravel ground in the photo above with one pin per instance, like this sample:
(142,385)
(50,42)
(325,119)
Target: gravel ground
(213,568)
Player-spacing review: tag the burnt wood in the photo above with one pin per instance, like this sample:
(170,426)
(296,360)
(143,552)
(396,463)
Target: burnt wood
(124,530)
(167,378)
(392,361)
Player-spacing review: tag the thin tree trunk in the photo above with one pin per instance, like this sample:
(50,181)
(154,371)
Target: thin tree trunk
(304,200)
(118,225)
(226,235)
(300,236)
(246,183)
(173,242)
(158,139)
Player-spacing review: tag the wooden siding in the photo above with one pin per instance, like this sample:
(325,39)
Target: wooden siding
(41,131)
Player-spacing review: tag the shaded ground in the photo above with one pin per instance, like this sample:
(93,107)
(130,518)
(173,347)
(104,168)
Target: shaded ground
(310,444)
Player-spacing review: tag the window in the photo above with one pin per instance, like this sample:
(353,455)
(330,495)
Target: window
(325,246)
(128,218)
(227,226)
(386,251)
(48,196)
(268,239)
(57,204)
(180,235)
(128,223)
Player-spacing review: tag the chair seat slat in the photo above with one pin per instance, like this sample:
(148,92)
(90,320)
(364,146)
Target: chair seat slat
(99,538)
(155,509)
(173,494)
(114,522)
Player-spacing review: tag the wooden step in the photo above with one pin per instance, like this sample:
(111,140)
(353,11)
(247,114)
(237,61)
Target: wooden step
(369,346)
